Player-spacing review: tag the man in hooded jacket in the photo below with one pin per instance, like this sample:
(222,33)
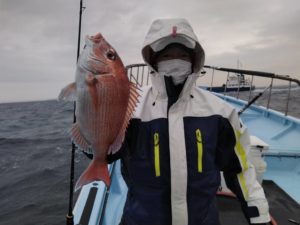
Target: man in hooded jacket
(180,138)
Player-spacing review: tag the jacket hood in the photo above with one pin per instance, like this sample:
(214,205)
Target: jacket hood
(167,31)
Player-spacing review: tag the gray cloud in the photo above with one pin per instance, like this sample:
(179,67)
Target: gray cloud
(39,38)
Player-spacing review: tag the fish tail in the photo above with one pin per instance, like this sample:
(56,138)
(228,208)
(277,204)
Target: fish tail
(95,171)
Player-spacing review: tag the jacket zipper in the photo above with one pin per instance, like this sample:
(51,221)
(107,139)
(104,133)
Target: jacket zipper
(200,149)
(156,155)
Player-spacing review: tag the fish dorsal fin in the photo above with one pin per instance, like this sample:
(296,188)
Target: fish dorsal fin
(68,93)
(132,102)
(79,140)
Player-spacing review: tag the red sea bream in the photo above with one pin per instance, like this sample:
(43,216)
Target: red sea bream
(105,101)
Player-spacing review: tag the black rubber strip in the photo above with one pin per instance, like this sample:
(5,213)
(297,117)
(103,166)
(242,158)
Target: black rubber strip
(106,195)
(87,211)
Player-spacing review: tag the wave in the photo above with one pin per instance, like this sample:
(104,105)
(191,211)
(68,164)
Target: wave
(31,141)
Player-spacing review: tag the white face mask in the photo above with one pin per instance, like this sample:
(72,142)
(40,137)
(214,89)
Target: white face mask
(178,69)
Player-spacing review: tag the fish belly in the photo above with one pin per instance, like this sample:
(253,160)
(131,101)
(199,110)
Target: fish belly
(101,112)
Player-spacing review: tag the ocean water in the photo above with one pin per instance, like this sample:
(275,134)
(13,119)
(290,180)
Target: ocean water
(35,152)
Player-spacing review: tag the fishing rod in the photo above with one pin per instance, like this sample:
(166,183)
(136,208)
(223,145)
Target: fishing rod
(70,216)
(253,100)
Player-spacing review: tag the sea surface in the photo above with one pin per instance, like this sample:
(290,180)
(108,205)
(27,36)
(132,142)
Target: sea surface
(35,154)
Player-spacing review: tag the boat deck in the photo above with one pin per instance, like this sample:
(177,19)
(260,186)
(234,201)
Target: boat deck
(283,208)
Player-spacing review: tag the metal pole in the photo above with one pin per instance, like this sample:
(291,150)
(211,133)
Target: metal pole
(238,90)
(251,84)
(288,99)
(137,74)
(270,93)
(148,75)
(143,68)
(212,79)
(225,88)
(70,216)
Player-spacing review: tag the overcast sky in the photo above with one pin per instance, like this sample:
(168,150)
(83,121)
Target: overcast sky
(38,38)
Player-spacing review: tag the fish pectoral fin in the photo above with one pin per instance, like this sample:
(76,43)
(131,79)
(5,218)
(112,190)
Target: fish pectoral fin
(132,102)
(68,93)
(79,140)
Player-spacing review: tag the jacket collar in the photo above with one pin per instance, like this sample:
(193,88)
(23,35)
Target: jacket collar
(159,87)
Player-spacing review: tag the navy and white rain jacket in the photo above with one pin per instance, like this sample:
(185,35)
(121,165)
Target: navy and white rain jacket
(173,153)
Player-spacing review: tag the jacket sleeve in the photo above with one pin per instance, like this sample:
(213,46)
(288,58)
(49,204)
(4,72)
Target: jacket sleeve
(239,173)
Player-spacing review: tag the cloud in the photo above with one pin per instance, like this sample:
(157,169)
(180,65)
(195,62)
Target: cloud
(39,38)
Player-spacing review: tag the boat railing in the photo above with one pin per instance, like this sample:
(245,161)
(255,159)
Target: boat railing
(263,83)
(139,74)
(284,82)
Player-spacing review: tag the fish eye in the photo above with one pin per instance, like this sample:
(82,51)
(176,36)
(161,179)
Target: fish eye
(111,55)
